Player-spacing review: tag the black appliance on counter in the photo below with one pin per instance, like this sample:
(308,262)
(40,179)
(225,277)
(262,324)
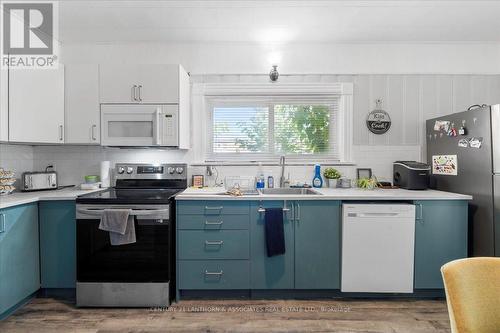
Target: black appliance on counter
(132,275)
(411,175)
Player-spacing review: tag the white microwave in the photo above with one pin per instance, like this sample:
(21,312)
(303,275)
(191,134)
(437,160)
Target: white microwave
(139,125)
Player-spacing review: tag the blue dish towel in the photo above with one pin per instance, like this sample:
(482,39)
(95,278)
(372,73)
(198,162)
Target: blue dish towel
(275,233)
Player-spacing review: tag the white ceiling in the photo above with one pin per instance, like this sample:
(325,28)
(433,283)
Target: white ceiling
(279,21)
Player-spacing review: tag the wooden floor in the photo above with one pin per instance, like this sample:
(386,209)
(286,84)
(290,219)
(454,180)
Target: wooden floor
(51,315)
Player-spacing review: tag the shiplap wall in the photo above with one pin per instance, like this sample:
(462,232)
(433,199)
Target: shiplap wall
(409,99)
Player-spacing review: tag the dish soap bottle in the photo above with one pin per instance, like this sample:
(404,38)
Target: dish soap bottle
(260,180)
(317,180)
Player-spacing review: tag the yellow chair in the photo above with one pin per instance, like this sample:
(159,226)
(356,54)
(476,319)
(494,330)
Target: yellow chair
(472,288)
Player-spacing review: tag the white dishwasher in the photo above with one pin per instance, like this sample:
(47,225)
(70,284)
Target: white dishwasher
(378,247)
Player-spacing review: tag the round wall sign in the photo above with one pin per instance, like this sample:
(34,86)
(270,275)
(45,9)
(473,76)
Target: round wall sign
(378,121)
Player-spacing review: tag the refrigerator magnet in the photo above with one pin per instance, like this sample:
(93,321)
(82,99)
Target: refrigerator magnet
(441,125)
(445,165)
(464,143)
(462,130)
(475,142)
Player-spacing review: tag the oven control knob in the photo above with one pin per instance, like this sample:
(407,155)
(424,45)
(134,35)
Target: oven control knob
(170,170)
(130,170)
(121,170)
(179,170)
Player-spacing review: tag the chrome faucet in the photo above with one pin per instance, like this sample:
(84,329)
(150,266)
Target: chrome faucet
(282,165)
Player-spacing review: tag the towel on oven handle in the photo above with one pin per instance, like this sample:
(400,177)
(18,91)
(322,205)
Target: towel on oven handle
(120,224)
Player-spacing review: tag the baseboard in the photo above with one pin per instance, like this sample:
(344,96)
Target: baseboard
(305,294)
(17,306)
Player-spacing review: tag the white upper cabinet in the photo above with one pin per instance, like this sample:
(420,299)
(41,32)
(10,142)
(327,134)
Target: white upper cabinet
(4,105)
(82,116)
(36,105)
(139,83)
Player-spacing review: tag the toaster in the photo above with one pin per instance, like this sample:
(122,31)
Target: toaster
(411,175)
(38,181)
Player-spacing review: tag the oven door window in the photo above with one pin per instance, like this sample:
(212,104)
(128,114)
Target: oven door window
(147,260)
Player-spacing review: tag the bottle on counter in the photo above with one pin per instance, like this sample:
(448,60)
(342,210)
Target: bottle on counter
(270,181)
(317,180)
(260,181)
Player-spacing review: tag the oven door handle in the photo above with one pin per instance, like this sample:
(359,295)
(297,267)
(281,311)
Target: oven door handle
(136,212)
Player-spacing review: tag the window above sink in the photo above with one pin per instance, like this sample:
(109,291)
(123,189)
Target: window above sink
(260,122)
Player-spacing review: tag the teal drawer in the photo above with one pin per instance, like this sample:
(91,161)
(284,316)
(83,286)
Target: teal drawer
(221,222)
(215,207)
(214,274)
(214,244)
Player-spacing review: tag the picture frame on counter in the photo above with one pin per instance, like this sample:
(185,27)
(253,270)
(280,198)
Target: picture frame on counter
(363,173)
(198,180)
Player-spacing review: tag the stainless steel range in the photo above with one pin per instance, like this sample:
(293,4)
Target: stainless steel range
(132,275)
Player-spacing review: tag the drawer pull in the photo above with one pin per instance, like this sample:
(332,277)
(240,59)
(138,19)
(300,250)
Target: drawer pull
(2,222)
(214,273)
(214,242)
(213,223)
(213,208)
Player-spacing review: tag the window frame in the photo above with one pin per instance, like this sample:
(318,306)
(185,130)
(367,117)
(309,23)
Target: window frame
(307,93)
(269,103)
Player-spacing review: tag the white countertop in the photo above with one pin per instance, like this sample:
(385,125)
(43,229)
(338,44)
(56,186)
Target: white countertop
(214,193)
(19,198)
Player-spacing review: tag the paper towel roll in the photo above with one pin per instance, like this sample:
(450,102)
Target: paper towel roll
(105,178)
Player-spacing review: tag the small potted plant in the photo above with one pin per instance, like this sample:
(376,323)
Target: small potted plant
(331,175)
(366,183)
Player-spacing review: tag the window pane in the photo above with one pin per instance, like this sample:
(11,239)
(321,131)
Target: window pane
(240,130)
(301,129)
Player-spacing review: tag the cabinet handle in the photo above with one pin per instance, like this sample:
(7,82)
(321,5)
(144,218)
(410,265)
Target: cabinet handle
(213,223)
(420,216)
(93,132)
(298,212)
(61,132)
(214,242)
(214,273)
(140,91)
(2,223)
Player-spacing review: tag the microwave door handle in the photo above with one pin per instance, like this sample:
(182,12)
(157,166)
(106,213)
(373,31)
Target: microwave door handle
(158,127)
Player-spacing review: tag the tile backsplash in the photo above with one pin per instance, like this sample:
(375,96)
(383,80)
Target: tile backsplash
(18,158)
(74,162)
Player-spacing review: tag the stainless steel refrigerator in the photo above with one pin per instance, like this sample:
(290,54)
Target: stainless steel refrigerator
(463,150)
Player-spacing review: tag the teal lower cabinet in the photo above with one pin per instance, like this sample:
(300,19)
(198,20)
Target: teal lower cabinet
(58,244)
(19,255)
(213,245)
(440,237)
(317,244)
(221,245)
(270,272)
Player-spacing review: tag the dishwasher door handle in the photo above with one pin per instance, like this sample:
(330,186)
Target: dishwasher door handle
(372,214)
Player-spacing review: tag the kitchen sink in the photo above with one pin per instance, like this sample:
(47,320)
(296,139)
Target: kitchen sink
(243,193)
(289,191)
